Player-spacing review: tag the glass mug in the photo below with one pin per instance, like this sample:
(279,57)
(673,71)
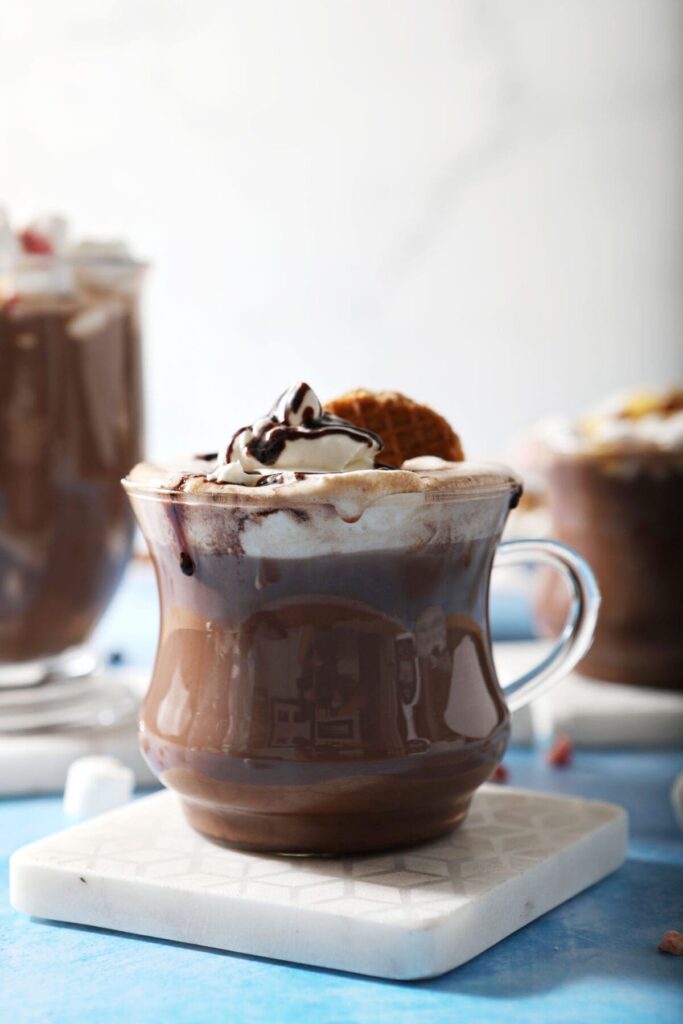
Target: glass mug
(624,513)
(70,427)
(325,685)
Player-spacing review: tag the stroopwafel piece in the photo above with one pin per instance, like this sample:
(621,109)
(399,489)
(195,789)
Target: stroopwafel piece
(407,428)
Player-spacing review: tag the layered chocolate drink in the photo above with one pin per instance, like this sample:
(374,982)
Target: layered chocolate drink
(615,493)
(324,680)
(70,426)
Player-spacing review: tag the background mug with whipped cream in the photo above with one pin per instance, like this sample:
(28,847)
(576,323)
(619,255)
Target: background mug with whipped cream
(614,484)
(70,427)
(324,680)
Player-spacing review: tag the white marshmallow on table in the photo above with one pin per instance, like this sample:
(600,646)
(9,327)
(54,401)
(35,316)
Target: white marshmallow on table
(677,799)
(95,785)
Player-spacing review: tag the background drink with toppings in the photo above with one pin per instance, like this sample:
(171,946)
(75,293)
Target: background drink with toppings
(70,426)
(614,484)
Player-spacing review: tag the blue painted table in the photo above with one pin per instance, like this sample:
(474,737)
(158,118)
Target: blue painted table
(593,959)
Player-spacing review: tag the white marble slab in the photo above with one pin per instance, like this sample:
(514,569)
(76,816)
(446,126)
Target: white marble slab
(594,713)
(32,763)
(403,915)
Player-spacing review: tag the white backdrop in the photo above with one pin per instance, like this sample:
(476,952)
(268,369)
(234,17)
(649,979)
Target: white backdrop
(477,202)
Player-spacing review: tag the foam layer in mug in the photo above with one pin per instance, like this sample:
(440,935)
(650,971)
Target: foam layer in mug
(314,514)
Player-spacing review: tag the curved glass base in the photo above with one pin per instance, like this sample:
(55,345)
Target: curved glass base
(69,692)
(73,663)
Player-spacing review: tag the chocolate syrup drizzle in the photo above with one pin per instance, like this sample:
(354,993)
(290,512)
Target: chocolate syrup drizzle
(291,422)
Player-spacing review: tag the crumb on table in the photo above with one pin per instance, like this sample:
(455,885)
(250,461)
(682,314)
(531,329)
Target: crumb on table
(672,942)
(561,753)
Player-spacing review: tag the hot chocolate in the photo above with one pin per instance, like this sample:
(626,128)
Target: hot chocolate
(324,680)
(615,493)
(70,425)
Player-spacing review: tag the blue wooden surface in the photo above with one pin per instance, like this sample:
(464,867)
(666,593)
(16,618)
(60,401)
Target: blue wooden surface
(593,959)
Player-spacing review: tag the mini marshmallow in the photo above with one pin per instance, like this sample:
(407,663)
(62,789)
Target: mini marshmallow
(95,785)
(677,799)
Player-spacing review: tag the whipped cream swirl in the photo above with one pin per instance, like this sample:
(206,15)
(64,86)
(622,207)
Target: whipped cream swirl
(297,436)
(630,423)
(41,260)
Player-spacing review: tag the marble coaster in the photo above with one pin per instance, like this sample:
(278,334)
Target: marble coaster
(404,915)
(32,763)
(594,713)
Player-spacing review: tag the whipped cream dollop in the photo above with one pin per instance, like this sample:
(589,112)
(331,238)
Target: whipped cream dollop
(296,437)
(40,259)
(632,421)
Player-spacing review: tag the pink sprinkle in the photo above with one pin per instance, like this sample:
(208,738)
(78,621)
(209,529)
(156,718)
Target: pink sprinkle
(672,943)
(561,753)
(35,242)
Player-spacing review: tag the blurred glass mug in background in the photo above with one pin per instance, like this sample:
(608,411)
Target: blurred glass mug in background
(614,486)
(70,428)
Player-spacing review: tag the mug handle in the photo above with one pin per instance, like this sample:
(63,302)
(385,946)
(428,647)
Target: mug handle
(577,635)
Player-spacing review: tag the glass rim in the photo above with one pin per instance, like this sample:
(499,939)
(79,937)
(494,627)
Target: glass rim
(622,454)
(468,489)
(27,261)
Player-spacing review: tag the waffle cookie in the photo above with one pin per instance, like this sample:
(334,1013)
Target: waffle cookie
(407,428)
